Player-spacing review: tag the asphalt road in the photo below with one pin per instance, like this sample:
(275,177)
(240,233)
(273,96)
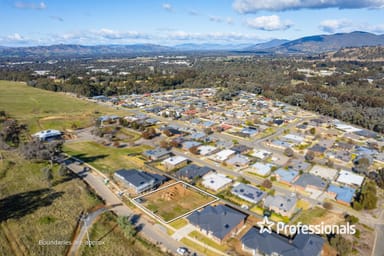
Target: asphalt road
(148,230)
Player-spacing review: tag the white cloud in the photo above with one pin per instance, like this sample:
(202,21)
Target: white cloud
(167,6)
(345,26)
(229,20)
(215,19)
(193,13)
(332,26)
(58,18)
(15,37)
(252,6)
(268,23)
(30,5)
(220,37)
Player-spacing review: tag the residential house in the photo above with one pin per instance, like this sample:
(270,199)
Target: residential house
(262,169)
(215,181)
(261,154)
(186,145)
(279,144)
(238,161)
(350,178)
(175,162)
(283,205)
(293,138)
(264,243)
(299,165)
(342,194)
(286,176)
(317,149)
(311,183)
(241,149)
(248,193)
(206,150)
(324,172)
(192,171)
(157,154)
(47,135)
(217,222)
(222,155)
(139,181)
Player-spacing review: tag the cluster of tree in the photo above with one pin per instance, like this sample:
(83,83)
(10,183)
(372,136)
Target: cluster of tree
(43,151)
(342,245)
(378,177)
(366,198)
(10,131)
(149,133)
(353,93)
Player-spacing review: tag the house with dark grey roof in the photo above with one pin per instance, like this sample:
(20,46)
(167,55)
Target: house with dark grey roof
(248,193)
(218,222)
(264,243)
(192,171)
(241,149)
(317,149)
(283,205)
(139,181)
(157,154)
(309,181)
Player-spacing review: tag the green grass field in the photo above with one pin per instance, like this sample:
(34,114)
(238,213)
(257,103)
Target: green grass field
(31,211)
(111,240)
(105,158)
(41,109)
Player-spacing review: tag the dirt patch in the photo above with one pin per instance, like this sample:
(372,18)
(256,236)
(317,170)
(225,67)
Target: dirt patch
(171,202)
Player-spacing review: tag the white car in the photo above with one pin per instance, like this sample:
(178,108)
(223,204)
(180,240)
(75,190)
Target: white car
(182,251)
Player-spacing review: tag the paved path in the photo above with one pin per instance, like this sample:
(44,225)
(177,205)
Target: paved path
(152,232)
(183,232)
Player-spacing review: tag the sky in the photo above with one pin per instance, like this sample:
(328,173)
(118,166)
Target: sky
(95,22)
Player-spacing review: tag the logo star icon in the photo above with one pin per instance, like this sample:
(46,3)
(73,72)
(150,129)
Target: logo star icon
(265,225)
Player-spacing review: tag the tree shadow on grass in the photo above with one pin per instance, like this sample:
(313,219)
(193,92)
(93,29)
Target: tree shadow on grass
(108,232)
(68,177)
(89,159)
(19,205)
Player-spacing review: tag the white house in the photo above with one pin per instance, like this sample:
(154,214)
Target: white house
(350,178)
(215,181)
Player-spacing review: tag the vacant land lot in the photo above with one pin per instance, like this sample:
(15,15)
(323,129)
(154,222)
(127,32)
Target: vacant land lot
(32,211)
(41,109)
(110,240)
(107,159)
(171,202)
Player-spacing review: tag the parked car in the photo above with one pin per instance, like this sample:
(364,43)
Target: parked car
(182,251)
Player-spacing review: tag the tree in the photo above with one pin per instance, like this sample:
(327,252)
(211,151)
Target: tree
(47,175)
(194,150)
(63,171)
(341,244)
(266,183)
(11,131)
(312,131)
(288,152)
(309,156)
(329,163)
(366,198)
(38,150)
(351,219)
(126,225)
(149,133)
(164,144)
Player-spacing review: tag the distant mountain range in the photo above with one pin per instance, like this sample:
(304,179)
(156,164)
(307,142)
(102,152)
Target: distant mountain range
(305,45)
